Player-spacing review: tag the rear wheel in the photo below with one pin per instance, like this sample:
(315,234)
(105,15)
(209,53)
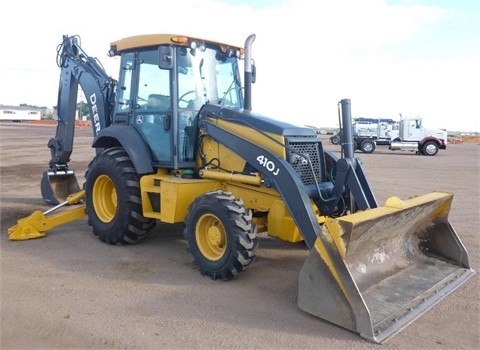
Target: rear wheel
(430,148)
(112,198)
(367,146)
(220,235)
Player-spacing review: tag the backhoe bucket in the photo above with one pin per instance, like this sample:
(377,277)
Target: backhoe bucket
(376,271)
(57,186)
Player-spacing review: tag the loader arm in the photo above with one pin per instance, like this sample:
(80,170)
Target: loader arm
(326,194)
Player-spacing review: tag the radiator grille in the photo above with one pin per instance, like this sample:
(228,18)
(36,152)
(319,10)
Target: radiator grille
(304,157)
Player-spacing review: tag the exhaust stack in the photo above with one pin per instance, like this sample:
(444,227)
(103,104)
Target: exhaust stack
(249,71)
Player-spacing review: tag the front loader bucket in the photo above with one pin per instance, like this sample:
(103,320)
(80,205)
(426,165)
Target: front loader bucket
(57,186)
(376,271)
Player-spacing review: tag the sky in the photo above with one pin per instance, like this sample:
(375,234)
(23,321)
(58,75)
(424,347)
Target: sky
(389,57)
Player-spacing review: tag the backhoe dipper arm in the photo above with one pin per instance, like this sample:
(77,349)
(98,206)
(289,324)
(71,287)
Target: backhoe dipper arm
(77,68)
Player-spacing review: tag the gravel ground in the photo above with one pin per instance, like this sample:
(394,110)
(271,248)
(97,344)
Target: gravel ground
(69,290)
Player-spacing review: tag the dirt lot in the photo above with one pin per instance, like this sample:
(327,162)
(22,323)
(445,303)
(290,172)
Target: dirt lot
(69,290)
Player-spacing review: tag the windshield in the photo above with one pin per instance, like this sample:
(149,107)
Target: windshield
(207,77)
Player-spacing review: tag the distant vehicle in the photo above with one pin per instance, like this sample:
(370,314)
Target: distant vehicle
(18,114)
(408,134)
(368,132)
(337,138)
(414,137)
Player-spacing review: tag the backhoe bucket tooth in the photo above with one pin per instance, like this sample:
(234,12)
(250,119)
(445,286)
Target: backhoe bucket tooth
(376,271)
(57,186)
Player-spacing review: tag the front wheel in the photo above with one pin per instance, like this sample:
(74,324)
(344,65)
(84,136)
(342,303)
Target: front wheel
(112,198)
(335,140)
(220,235)
(430,148)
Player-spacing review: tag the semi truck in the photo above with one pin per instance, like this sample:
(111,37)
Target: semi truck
(414,137)
(408,134)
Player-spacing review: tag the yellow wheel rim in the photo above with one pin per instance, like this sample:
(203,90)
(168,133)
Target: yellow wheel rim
(211,237)
(104,198)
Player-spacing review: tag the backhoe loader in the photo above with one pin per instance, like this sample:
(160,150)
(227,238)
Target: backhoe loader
(201,156)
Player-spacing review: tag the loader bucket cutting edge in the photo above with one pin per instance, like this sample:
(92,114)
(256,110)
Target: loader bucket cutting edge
(57,186)
(400,260)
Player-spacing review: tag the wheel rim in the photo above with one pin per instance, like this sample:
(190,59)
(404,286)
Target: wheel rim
(368,146)
(430,149)
(211,237)
(104,198)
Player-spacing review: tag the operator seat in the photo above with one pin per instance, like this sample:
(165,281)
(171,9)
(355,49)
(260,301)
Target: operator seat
(159,102)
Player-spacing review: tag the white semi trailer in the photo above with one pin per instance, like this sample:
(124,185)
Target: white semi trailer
(369,132)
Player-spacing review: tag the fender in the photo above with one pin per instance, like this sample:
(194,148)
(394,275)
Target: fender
(129,138)
(440,142)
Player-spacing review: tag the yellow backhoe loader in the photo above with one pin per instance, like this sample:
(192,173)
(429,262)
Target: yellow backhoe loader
(177,141)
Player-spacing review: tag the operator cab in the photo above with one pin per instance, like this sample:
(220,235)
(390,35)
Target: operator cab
(162,86)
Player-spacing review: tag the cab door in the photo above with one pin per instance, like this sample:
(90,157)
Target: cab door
(153,108)
(414,130)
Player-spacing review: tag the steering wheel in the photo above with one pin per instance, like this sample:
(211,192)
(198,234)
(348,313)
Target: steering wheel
(183,99)
(142,106)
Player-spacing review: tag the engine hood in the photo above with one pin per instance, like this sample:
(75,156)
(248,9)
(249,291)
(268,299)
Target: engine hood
(254,120)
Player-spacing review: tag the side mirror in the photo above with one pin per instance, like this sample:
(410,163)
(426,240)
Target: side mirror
(165,57)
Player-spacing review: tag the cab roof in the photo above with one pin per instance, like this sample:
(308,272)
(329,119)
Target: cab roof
(140,41)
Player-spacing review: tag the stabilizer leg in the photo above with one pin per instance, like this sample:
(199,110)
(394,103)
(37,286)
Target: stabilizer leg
(38,223)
